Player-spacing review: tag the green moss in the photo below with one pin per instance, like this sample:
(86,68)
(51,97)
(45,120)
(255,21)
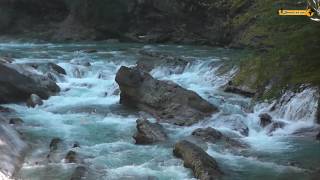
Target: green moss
(286,49)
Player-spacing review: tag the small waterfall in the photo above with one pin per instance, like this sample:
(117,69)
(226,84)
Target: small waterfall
(301,106)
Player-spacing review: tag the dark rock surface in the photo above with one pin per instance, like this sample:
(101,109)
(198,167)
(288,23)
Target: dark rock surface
(216,137)
(204,166)
(16,121)
(318,136)
(71,157)
(149,133)
(149,60)
(275,126)
(168,102)
(18,83)
(243,91)
(54,144)
(265,119)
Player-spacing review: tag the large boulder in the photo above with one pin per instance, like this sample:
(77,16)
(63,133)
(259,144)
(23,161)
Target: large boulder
(216,137)
(148,133)
(204,166)
(18,83)
(168,102)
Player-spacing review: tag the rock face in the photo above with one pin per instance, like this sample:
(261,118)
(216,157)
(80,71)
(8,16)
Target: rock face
(149,133)
(204,166)
(17,84)
(214,136)
(168,102)
(34,100)
(12,151)
(265,119)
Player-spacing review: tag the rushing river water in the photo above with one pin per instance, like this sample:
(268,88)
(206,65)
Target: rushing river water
(87,111)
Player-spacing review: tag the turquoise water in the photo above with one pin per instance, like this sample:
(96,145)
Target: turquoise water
(87,111)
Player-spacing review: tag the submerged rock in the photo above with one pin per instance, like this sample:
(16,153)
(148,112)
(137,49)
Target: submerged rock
(148,133)
(265,119)
(89,51)
(18,83)
(149,60)
(34,100)
(275,126)
(204,166)
(318,136)
(16,121)
(6,110)
(168,102)
(54,144)
(79,173)
(71,157)
(214,136)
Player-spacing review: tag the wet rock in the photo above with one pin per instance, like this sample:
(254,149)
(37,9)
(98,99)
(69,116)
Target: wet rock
(318,136)
(57,68)
(76,145)
(12,151)
(275,126)
(54,144)
(51,76)
(18,82)
(204,166)
(234,123)
(6,60)
(71,157)
(243,91)
(89,51)
(149,60)
(6,110)
(34,100)
(16,121)
(149,133)
(265,119)
(79,173)
(116,92)
(168,102)
(216,137)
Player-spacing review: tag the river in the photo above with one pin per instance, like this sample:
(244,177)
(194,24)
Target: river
(87,112)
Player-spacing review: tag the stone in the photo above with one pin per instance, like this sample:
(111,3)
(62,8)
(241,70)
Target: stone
(34,100)
(203,165)
(149,133)
(79,173)
(54,144)
(167,102)
(16,121)
(71,157)
(265,119)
